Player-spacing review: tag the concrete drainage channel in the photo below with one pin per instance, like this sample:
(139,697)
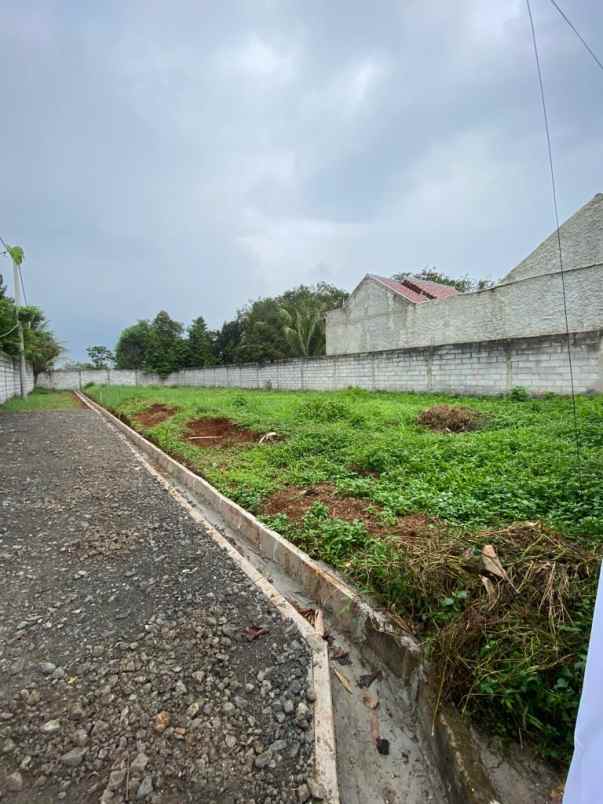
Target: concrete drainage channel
(421,757)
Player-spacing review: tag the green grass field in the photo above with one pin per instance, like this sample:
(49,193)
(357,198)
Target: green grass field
(405,512)
(40,399)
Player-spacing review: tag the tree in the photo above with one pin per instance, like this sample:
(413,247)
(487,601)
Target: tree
(262,337)
(199,345)
(2,288)
(227,341)
(166,350)
(289,325)
(303,312)
(43,351)
(132,346)
(464,284)
(101,357)
(41,346)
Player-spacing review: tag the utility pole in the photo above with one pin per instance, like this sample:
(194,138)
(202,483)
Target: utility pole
(22,368)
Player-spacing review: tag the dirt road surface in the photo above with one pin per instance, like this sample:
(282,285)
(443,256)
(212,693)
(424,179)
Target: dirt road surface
(137,661)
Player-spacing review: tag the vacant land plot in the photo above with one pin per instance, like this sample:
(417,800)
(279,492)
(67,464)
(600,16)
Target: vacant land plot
(478,527)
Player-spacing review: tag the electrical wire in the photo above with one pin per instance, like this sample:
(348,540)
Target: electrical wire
(556,211)
(596,59)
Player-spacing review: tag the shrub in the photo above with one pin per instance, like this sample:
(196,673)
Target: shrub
(519,394)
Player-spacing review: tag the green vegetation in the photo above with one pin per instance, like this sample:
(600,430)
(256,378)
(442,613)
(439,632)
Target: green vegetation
(268,329)
(273,328)
(406,513)
(41,346)
(41,399)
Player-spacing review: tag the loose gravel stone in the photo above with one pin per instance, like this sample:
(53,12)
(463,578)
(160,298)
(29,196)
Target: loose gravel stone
(124,670)
(14,782)
(74,757)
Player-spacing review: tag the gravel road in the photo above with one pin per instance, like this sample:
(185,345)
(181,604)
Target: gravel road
(137,661)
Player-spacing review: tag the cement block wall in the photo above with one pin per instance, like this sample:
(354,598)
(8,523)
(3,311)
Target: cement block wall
(539,364)
(10,384)
(375,319)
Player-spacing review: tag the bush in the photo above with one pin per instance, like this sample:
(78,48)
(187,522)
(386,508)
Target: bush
(329,411)
(519,394)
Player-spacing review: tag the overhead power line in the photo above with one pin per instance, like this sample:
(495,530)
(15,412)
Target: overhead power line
(556,212)
(596,59)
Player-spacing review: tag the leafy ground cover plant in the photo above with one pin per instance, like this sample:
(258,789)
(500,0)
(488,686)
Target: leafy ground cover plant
(355,479)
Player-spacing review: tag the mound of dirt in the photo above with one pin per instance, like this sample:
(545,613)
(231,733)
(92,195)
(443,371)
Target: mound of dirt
(208,433)
(448,419)
(295,501)
(155,414)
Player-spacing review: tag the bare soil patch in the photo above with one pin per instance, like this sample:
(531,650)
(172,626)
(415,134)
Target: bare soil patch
(295,501)
(449,419)
(208,433)
(155,414)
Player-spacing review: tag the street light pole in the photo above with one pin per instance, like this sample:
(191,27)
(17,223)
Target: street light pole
(22,368)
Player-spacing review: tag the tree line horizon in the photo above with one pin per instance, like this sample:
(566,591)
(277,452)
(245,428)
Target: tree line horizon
(281,327)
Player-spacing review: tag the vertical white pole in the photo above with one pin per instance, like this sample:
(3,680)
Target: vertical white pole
(22,370)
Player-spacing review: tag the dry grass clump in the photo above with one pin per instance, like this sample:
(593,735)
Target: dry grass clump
(506,613)
(450,419)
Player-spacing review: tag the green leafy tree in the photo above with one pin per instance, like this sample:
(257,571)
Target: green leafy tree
(303,312)
(166,349)
(101,357)
(289,325)
(262,337)
(41,346)
(302,327)
(227,341)
(463,284)
(132,346)
(199,345)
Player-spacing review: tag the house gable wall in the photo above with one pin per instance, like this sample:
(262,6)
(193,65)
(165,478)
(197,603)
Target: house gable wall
(373,318)
(581,245)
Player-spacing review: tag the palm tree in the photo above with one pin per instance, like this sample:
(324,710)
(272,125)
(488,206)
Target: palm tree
(304,328)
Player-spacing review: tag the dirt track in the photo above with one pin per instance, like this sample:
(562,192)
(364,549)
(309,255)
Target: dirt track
(128,667)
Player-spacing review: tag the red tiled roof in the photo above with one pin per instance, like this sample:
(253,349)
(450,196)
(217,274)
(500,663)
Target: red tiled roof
(400,289)
(434,289)
(416,290)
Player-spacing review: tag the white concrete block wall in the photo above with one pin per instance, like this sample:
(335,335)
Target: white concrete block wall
(487,367)
(10,383)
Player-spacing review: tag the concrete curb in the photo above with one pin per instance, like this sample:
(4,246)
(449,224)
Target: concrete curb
(374,632)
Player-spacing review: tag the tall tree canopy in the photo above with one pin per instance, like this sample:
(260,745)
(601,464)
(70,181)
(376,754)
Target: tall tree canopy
(273,328)
(166,350)
(199,345)
(132,346)
(227,340)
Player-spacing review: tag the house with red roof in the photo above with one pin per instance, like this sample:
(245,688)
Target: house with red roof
(374,316)
(542,296)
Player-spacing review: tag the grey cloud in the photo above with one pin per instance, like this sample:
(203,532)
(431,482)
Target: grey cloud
(193,156)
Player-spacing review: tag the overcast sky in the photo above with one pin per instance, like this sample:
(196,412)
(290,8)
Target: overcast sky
(191,156)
